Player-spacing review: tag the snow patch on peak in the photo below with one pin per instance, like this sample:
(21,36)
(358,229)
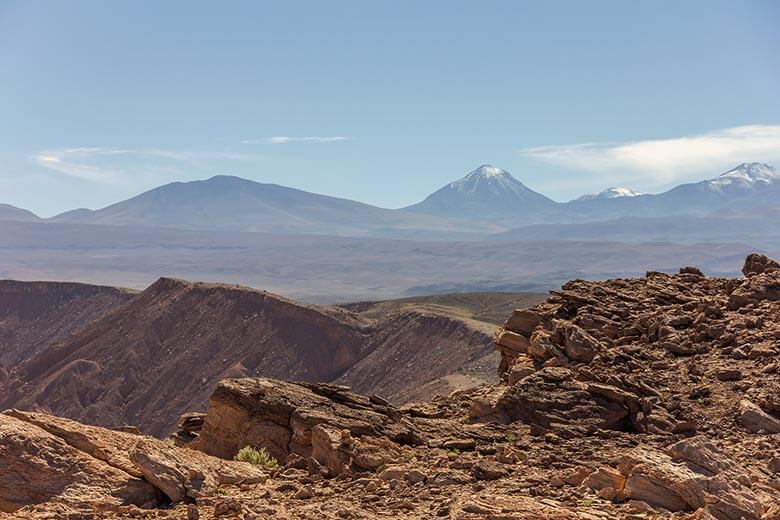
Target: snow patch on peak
(486,170)
(747,174)
(615,192)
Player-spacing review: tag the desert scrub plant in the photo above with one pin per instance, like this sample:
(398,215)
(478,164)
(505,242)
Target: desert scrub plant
(257,457)
(168,441)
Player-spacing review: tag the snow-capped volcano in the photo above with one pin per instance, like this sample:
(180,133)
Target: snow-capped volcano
(615,192)
(746,175)
(488,178)
(487,193)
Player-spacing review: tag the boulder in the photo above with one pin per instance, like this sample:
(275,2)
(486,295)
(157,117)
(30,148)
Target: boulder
(757,264)
(551,397)
(38,466)
(754,419)
(184,474)
(692,476)
(280,416)
(579,345)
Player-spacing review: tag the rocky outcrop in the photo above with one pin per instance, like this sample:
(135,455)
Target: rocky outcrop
(184,474)
(754,419)
(65,464)
(757,264)
(691,475)
(39,467)
(282,417)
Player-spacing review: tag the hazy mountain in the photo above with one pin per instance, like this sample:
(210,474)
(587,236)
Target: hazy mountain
(225,203)
(748,185)
(486,194)
(486,201)
(614,192)
(8,212)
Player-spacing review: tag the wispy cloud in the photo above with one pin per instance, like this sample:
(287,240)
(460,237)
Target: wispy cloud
(112,165)
(667,159)
(284,139)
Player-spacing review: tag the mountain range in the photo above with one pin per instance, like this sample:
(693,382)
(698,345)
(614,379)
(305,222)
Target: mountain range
(486,201)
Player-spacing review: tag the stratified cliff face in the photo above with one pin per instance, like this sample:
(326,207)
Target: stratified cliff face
(35,315)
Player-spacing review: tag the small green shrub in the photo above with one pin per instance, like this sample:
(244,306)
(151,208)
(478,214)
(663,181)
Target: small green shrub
(257,457)
(452,451)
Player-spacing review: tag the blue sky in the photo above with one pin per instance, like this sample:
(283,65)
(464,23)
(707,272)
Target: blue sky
(381,102)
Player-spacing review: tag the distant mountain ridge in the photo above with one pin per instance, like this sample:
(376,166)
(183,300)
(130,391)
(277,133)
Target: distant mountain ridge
(745,186)
(485,201)
(228,203)
(8,212)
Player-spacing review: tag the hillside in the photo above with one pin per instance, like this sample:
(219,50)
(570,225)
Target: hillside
(162,351)
(649,397)
(8,212)
(35,315)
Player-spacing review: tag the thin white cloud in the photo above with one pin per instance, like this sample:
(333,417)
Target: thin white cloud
(111,165)
(71,162)
(284,139)
(667,159)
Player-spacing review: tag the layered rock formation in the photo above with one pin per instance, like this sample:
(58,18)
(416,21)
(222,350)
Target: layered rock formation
(645,398)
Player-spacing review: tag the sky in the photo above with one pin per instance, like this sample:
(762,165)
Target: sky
(381,101)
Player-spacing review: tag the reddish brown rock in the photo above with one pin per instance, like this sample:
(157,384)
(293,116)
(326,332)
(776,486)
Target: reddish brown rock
(757,264)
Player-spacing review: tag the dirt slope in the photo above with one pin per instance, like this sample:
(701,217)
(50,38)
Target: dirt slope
(35,315)
(163,351)
(431,345)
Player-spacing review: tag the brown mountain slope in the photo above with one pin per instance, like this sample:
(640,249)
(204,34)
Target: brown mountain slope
(414,356)
(431,345)
(163,352)
(35,315)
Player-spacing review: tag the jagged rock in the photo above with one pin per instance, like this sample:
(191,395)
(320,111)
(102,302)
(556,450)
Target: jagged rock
(757,264)
(605,477)
(110,446)
(280,416)
(551,397)
(759,287)
(542,346)
(755,420)
(608,381)
(523,367)
(182,473)
(579,345)
(38,466)
(701,479)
